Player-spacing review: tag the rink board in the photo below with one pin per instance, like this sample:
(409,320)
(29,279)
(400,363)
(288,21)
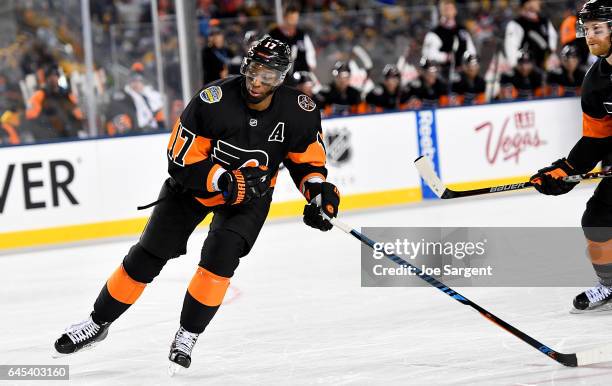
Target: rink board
(502,141)
(89,189)
(79,190)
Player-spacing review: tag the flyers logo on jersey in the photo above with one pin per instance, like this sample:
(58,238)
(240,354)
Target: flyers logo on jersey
(232,157)
(212,94)
(306,103)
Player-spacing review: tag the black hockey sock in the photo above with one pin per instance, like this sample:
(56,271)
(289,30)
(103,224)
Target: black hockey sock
(117,295)
(195,316)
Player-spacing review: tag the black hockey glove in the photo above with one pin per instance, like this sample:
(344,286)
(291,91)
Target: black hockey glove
(241,185)
(550,181)
(324,198)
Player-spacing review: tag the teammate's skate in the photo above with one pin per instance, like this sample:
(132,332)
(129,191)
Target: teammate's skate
(596,299)
(180,350)
(80,336)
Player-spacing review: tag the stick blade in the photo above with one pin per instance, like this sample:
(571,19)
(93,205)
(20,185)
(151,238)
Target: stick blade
(428,174)
(595,355)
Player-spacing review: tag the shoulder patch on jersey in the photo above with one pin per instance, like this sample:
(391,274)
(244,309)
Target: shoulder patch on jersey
(212,94)
(306,103)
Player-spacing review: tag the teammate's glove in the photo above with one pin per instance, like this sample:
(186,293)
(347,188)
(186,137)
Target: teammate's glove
(324,198)
(550,181)
(241,185)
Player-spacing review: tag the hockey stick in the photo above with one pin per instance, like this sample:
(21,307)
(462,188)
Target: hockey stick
(428,174)
(582,358)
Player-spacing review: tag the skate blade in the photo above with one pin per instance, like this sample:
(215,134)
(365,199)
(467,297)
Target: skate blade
(604,309)
(56,354)
(174,368)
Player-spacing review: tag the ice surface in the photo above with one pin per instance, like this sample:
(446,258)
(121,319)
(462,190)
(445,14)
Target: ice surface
(296,314)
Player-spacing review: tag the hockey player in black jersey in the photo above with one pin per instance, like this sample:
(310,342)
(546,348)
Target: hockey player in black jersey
(223,158)
(595,23)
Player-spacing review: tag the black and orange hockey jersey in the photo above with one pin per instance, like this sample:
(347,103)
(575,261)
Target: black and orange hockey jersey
(218,132)
(596,101)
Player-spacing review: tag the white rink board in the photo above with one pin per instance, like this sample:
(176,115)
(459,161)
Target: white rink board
(111,178)
(381,147)
(114,176)
(514,139)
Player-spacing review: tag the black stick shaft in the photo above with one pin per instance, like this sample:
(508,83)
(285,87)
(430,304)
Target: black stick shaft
(565,359)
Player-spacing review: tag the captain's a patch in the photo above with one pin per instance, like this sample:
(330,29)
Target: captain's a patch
(212,94)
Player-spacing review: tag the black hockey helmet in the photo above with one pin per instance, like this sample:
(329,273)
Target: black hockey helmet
(341,67)
(428,65)
(568,51)
(524,57)
(271,53)
(595,10)
(391,71)
(301,77)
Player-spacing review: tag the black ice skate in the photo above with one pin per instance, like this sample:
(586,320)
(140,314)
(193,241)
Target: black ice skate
(80,336)
(180,350)
(596,299)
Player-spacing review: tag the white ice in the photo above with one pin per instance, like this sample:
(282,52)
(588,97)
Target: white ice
(296,314)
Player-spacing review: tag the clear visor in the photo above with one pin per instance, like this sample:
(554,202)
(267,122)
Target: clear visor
(599,29)
(266,75)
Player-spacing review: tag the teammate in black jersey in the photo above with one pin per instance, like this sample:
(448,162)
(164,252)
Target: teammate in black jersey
(223,158)
(595,22)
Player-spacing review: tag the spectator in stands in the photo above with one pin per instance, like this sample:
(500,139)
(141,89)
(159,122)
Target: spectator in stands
(428,90)
(303,50)
(407,70)
(306,82)
(388,95)
(448,41)
(524,82)
(10,95)
(130,110)
(154,99)
(339,98)
(9,123)
(53,111)
(567,80)
(470,88)
(531,32)
(216,56)
(567,35)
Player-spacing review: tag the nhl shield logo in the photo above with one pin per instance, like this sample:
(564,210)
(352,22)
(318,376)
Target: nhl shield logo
(306,103)
(211,94)
(338,145)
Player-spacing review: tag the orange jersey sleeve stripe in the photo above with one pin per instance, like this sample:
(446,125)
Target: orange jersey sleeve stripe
(314,155)
(213,201)
(209,179)
(199,147)
(123,288)
(208,288)
(596,127)
(600,252)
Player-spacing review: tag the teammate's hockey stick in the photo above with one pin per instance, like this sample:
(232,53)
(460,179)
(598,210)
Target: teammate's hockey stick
(582,358)
(428,174)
